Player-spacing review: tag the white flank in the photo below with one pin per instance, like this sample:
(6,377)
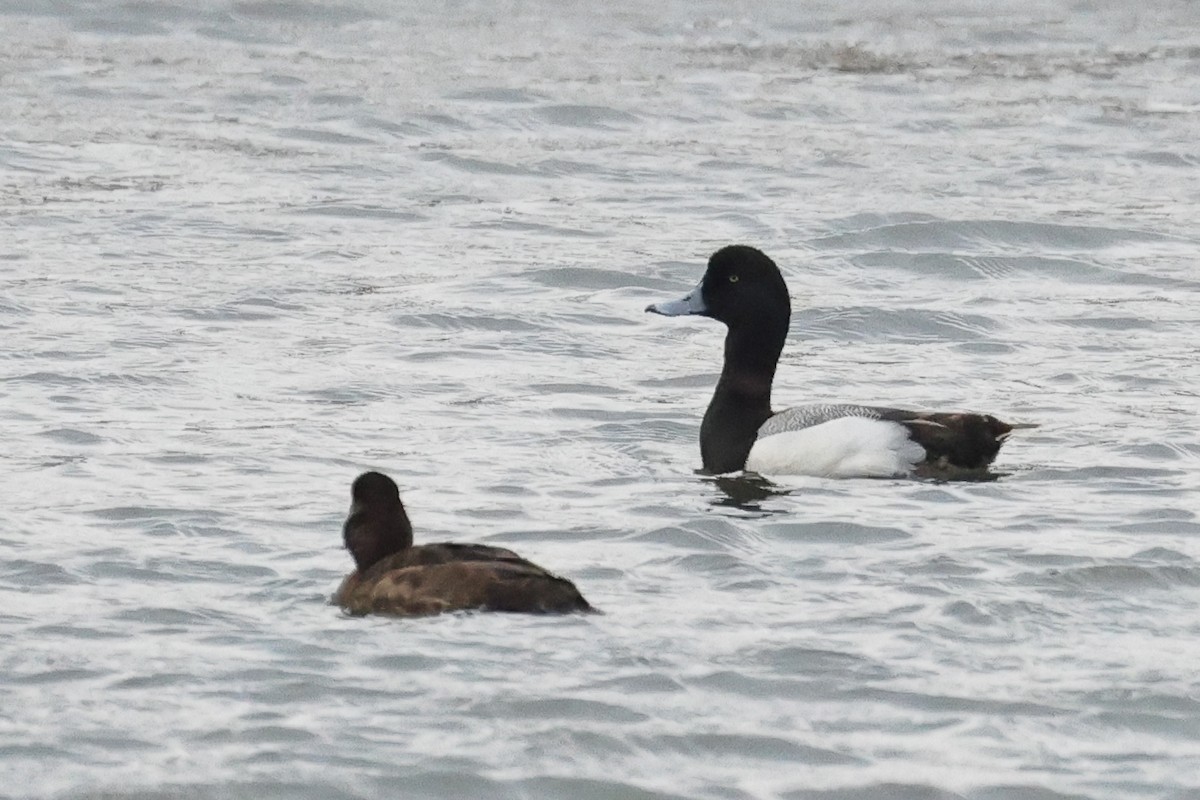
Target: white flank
(846,447)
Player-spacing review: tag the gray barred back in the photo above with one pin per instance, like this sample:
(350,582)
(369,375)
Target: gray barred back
(800,417)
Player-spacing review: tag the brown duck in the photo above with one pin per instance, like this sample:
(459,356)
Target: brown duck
(394,577)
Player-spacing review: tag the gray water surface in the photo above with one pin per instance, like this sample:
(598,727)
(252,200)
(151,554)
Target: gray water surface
(250,249)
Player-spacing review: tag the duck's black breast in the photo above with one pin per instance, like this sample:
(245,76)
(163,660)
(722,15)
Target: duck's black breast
(435,578)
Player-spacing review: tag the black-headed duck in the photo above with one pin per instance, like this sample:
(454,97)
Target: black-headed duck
(743,288)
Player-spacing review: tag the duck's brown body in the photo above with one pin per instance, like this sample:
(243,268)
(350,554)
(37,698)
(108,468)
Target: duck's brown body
(433,578)
(394,577)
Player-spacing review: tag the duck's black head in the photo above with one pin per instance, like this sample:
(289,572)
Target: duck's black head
(742,284)
(377,526)
(742,287)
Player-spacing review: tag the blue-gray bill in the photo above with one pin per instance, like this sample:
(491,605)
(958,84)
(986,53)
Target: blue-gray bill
(690,303)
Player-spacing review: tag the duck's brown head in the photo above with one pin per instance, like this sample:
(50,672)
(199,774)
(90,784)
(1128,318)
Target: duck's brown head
(377,526)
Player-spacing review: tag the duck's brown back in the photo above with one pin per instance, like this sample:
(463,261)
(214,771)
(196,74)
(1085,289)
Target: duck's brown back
(434,578)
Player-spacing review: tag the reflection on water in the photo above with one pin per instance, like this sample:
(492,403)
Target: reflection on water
(745,491)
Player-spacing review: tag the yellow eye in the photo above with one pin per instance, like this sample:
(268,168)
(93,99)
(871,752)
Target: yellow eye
(733,278)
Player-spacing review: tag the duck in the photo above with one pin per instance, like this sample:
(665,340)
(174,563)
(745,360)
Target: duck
(394,577)
(743,288)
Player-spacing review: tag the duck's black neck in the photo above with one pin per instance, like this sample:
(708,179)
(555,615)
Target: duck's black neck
(742,400)
(372,534)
